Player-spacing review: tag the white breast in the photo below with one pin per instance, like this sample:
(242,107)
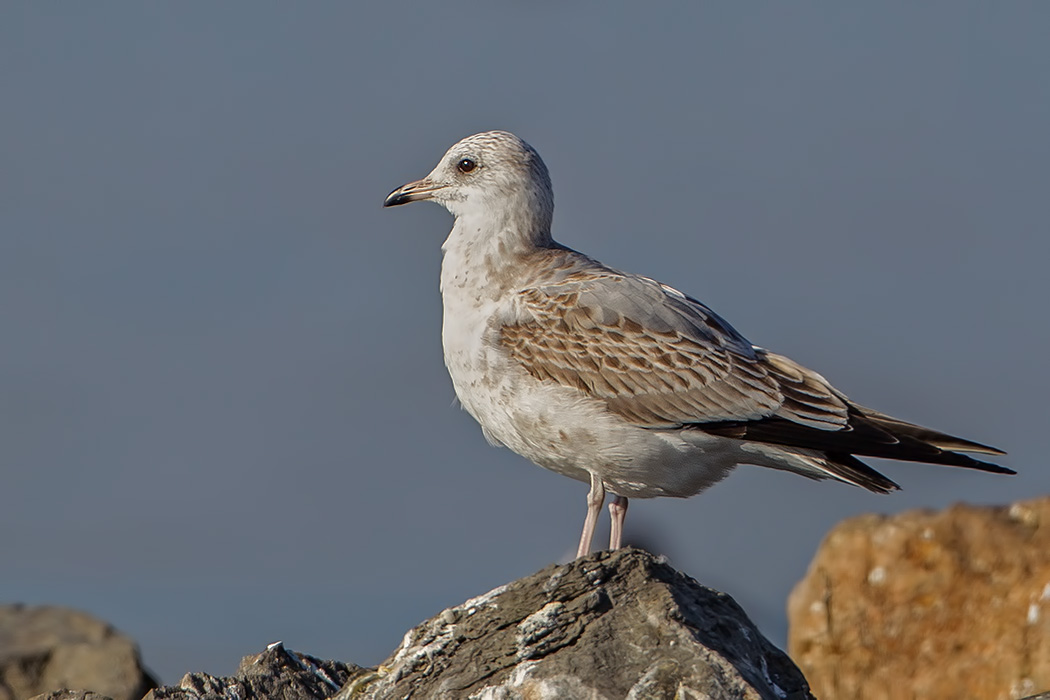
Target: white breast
(555,426)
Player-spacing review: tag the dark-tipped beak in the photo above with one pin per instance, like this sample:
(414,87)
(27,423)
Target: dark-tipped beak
(412,192)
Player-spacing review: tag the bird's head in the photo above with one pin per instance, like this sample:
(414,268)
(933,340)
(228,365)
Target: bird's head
(492,175)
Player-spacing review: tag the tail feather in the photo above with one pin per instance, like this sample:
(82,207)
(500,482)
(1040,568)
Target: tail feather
(867,433)
(848,468)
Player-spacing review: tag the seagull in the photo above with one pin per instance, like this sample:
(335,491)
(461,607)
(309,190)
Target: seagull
(618,380)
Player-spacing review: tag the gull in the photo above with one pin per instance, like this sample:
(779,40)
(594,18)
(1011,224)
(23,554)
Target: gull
(618,380)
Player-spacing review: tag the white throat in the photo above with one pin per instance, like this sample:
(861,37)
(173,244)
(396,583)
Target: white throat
(484,250)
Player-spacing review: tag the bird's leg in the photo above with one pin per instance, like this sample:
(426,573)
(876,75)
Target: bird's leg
(595,499)
(617,512)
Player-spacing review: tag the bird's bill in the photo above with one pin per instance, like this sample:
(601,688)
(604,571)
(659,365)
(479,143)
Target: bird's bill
(412,192)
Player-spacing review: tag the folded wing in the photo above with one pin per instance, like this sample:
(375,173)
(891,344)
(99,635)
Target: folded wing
(662,360)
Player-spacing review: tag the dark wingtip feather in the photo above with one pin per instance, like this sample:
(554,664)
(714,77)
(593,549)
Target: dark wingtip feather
(954,443)
(849,468)
(936,438)
(869,433)
(989,466)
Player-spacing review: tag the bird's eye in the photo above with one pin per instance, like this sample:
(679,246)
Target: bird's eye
(466,165)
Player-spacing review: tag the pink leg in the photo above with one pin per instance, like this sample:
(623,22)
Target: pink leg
(617,512)
(595,499)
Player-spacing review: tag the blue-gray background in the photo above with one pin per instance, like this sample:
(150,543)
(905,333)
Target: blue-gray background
(224,418)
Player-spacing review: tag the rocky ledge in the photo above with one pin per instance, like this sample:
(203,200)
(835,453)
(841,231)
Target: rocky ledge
(949,604)
(612,625)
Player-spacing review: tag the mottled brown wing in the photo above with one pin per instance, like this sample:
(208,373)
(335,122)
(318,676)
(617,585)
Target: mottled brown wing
(658,358)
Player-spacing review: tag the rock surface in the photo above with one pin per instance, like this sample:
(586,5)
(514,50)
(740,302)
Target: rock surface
(70,695)
(275,674)
(952,604)
(45,649)
(612,625)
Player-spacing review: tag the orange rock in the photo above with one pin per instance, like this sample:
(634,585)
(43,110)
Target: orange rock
(950,604)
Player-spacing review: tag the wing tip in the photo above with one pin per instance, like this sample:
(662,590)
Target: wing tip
(846,467)
(989,450)
(956,444)
(943,441)
(994,468)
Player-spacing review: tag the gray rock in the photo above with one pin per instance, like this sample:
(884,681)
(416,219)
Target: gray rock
(44,649)
(70,695)
(275,674)
(612,625)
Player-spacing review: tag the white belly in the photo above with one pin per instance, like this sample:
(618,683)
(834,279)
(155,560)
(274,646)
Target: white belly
(565,430)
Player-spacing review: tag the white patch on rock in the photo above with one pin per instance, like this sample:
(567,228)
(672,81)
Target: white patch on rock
(508,689)
(557,688)
(1033,613)
(1022,688)
(538,624)
(427,652)
(780,692)
(406,644)
(553,581)
(521,672)
(1023,514)
(483,599)
(877,576)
